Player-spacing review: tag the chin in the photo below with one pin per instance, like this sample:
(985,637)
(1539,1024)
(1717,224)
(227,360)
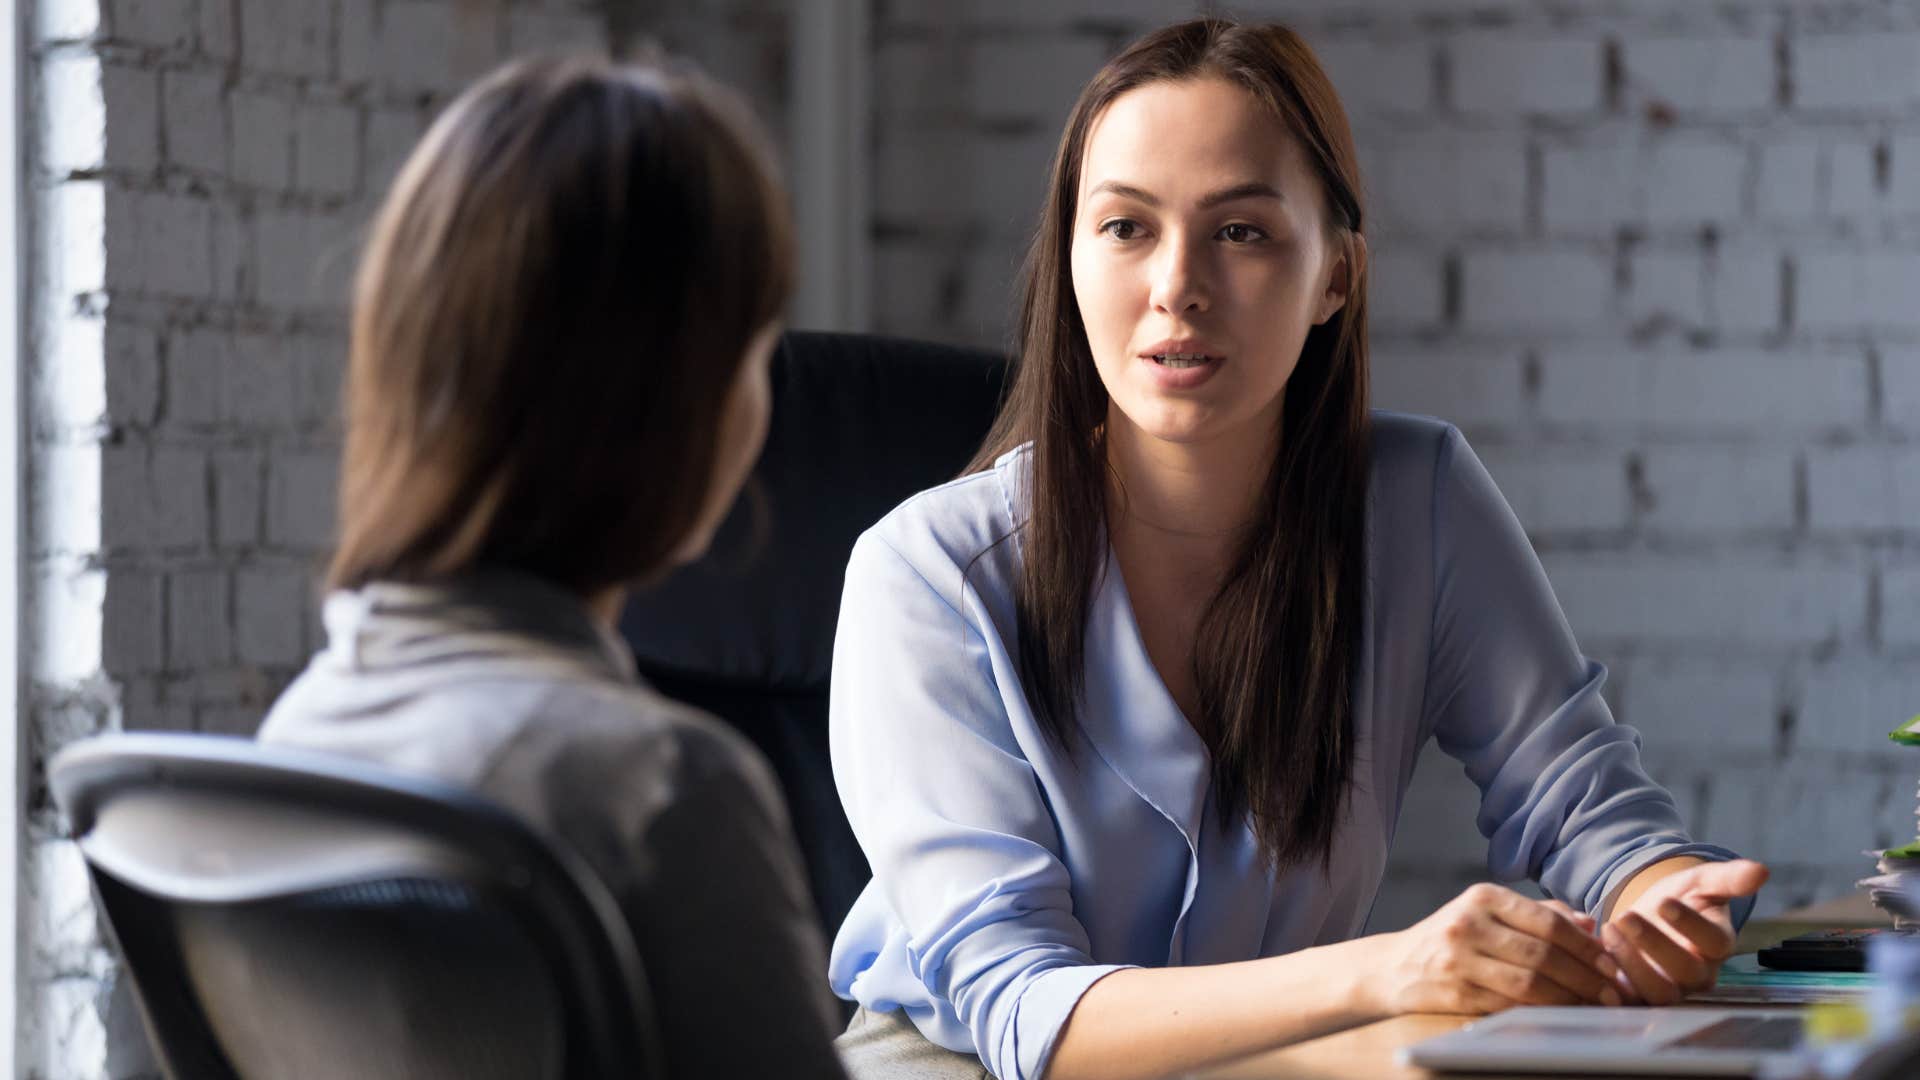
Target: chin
(1181,424)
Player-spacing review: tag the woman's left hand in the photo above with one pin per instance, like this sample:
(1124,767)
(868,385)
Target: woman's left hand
(1671,939)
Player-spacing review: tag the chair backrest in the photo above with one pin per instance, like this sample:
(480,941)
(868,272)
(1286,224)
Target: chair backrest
(290,914)
(859,424)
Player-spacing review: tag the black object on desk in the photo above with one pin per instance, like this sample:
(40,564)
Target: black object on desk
(1823,950)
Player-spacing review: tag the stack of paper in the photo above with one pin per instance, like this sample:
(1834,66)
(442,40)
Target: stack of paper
(1896,888)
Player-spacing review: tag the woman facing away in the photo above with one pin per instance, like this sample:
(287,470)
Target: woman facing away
(1125,716)
(557,385)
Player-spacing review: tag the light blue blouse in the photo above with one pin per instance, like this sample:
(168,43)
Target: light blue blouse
(1009,876)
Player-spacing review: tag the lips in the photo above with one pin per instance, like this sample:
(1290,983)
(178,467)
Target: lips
(1181,363)
(1181,353)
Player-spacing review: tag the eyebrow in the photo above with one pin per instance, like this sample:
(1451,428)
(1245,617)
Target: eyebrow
(1252,189)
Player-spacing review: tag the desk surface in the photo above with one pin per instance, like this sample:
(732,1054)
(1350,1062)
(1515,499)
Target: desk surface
(1367,1053)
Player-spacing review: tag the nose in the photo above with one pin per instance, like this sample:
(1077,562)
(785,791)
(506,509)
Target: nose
(1180,279)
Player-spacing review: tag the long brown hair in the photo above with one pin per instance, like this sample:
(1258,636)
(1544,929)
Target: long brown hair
(553,306)
(1278,644)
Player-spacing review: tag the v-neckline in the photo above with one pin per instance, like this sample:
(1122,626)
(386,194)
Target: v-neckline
(1132,718)
(1138,638)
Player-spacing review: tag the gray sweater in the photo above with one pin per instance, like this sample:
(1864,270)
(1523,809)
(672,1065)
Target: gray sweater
(504,685)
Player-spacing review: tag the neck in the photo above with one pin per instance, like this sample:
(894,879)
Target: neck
(1190,491)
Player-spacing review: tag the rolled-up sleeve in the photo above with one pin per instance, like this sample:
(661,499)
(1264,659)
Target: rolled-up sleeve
(1564,799)
(950,812)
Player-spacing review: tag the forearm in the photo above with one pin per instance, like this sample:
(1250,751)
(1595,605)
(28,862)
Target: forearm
(1641,881)
(1153,1022)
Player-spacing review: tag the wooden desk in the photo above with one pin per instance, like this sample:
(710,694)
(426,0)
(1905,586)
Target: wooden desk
(1367,1053)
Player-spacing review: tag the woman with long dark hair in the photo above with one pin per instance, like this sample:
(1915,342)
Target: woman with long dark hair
(558,382)
(1124,716)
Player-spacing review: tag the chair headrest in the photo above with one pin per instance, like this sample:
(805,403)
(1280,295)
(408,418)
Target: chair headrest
(859,424)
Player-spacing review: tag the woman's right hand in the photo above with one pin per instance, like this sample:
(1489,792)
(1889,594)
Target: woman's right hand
(1491,948)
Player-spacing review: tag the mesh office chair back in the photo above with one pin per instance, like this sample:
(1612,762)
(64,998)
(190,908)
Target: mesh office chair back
(302,916)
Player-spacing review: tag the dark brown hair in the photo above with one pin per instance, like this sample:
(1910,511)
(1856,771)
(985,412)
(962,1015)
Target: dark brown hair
(1275,656)
(552,309)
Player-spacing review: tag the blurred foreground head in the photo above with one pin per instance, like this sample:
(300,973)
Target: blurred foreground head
(556,328)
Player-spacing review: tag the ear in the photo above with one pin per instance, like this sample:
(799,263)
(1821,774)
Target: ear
(1348,268)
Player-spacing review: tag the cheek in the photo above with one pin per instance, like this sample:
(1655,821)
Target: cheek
(1104,294)
(1282,294)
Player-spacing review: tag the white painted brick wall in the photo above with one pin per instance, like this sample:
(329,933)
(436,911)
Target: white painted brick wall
(1030,77)
(1693,181)
(1900,388)
(239,497)
(326,149)
(262,154)
(1568,491)
(1707,75)
(1788,187)
(1863,488)
(133,126)
(286,37)
(1850,706)
(1407,288)
(1900,597)
(1536,291)
(1704,491)
(1838,73)
(1380,77)
(1524,74)
(1667,288)
(193,114)
(1445,183)
(1689,707)
(1684,393)
(1745,287)
(1842,292)
(199,624)
(1475,388)
(1754,603)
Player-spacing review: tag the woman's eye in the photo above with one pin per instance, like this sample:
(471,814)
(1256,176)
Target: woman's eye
(1242,233)
(1121,228)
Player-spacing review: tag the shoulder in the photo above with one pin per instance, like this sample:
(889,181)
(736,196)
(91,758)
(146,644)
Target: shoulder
(1428,488)
(959,530)
(631,744)
(1406,443)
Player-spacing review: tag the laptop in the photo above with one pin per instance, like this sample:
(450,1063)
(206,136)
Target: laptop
(1625,1042)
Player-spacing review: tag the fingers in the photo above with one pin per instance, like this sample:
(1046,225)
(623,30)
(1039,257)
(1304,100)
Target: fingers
(1589,982)
(1682,965)
(1722,881)
(1650,984)
(1516,983)
(1710,938)
(1581,919)
(1553,926)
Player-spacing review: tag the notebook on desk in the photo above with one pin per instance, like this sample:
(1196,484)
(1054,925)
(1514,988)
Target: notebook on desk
(1622,1042)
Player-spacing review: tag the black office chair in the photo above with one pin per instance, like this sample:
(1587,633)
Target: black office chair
(859,424)
(291,915)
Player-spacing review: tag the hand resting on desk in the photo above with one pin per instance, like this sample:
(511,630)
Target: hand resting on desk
(1491,948)
(1670,937)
